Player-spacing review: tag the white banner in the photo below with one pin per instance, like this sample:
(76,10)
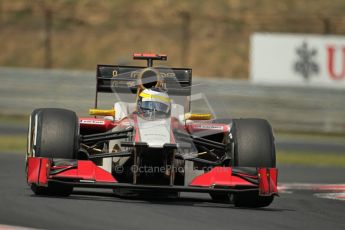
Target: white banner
(298,60)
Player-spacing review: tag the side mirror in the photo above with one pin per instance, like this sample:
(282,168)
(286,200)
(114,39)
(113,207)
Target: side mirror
(102,112)
(198,116)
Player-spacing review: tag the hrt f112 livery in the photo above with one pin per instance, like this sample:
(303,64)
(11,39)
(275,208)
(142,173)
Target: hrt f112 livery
(149,142)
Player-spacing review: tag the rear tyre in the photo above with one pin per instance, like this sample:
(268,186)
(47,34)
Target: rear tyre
(53,133)
(254,147)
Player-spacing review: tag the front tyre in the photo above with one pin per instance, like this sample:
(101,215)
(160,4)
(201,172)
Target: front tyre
(220,197)
(53,189)
(251,200)
(53,133)
(254,147)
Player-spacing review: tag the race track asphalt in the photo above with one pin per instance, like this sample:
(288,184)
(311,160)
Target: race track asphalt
(299,209)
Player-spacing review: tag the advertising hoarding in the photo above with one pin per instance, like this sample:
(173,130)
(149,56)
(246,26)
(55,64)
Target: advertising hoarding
(298,60)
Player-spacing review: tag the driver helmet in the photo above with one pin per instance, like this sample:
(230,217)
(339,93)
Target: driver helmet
(154,103)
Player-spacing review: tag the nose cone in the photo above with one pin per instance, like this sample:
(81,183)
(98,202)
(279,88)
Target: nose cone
(155,133)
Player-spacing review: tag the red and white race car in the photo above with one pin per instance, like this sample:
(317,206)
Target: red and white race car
(151,143)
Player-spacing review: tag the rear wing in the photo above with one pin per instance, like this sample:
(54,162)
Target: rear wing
(124,79)
(128,79)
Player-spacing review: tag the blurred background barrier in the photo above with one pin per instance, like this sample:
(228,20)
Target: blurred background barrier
(295,109)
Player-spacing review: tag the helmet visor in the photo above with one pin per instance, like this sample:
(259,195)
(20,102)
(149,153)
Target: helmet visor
(155,106)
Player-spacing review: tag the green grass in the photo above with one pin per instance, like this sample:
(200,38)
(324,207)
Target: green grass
(14,119)
(13,143)
(334,137)
(311,159)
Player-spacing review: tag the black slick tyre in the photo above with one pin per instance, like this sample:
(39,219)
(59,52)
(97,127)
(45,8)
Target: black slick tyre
(254,147)
(53,133)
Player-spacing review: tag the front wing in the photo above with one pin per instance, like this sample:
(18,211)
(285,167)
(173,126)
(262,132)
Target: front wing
(84,173)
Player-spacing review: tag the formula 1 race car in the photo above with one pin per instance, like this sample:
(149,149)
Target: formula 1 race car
(151,143)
